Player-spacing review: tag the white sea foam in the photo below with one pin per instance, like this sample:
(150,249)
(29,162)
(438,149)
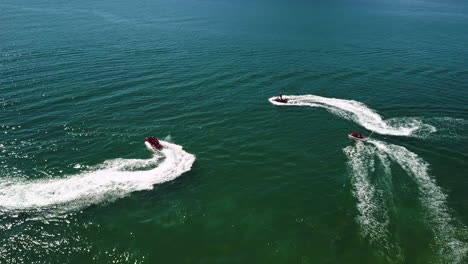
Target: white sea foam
(361,114)
(433,199)
(374,207)
(110,180)
(373,210)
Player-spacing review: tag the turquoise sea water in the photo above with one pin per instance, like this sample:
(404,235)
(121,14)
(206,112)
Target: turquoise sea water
(241,180)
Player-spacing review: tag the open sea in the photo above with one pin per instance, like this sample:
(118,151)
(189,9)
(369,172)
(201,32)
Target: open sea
(242,178)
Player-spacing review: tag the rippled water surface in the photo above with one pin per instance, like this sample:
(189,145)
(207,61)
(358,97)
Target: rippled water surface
(243,178)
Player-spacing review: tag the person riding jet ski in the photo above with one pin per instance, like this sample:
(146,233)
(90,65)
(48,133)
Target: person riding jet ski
(280,99)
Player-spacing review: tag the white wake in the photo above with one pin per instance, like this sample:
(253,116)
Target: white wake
(374,203)
(433,199)
(111,180)
(374,211)
(361,114)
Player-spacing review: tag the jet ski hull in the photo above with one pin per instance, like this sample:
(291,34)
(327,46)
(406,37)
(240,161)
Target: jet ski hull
(154,142)
(354,136)
(280,100)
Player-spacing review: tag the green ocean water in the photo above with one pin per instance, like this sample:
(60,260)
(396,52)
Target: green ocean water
(241,180)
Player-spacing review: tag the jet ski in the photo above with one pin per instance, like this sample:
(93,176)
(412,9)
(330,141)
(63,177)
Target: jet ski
(357,136)
(279,100)
(154,142)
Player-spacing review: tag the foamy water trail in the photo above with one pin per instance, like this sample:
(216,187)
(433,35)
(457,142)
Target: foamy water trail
(361,163)
(361,114)
(373,208)
(449,247)
(111,180)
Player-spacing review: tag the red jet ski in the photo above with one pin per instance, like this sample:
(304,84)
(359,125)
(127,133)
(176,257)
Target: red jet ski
(356,136)
(154,142)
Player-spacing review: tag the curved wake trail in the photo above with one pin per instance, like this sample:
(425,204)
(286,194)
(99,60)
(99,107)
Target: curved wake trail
(433,199)
(361,114)
(111,180)
(373,205)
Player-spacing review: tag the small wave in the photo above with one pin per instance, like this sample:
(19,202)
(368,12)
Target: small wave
(111,180)
(449,128)
(362,115)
